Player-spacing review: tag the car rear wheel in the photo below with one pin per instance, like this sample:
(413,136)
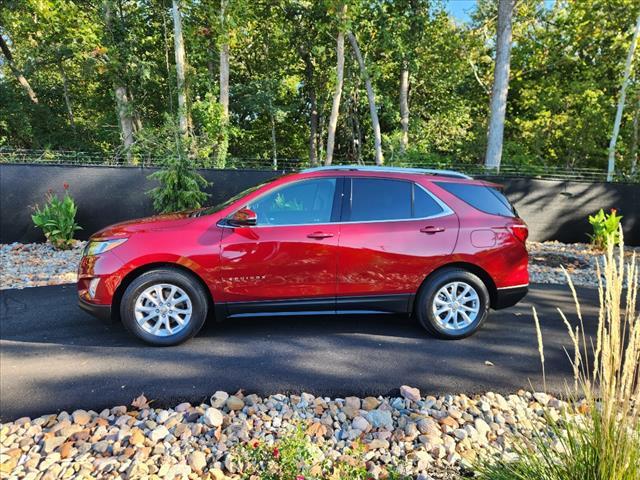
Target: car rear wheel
(452,304)
(164,307)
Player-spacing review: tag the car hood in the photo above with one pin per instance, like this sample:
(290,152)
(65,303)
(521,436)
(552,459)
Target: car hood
(157,222)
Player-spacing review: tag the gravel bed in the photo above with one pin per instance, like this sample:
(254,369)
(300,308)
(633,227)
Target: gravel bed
(38,264)
(579,259)
(422,437)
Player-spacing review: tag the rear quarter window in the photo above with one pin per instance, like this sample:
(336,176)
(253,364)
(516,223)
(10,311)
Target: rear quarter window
(486,199)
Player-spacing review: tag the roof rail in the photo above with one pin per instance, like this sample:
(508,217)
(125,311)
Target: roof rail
(365,168)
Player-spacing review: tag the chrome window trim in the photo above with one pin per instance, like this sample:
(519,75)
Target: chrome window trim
(446,211)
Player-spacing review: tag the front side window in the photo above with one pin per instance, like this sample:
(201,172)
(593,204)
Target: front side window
(376,199)
(305,202)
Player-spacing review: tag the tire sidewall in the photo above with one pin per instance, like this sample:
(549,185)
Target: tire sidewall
(428,292)
(171,276)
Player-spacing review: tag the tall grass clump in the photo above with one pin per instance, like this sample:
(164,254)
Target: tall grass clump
(598,435)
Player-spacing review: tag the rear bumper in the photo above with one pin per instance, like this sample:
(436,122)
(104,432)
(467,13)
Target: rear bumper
(103,312)
(509,296)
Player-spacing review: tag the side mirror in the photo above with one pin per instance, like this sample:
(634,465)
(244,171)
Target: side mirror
(244,218)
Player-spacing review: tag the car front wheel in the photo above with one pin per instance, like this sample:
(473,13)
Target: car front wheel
(164,307)
(452,304)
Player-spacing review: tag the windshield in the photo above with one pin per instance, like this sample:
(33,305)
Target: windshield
(226,203)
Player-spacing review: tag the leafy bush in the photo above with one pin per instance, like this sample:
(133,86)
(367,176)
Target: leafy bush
(598,437)
(57,219)
(605,227)
(180,183)
(296,457)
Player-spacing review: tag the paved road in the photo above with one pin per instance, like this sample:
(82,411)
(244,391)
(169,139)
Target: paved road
(54,356)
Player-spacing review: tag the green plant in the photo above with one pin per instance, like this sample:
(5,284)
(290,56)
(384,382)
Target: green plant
(598,437)
(180,183)
(605,227)
(292,457)
(57,219)
(295,457)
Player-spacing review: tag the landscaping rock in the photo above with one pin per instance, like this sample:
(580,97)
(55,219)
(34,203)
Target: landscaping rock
(434,434)
(234,403)
(380,419)
(410,393)
(213,417)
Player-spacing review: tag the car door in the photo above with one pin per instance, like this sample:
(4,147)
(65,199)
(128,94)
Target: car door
(288,260)
(393,233)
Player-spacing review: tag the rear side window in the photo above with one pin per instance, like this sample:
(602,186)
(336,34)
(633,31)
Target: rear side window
(486,199)
(379,199)
(424,204)
(374,199)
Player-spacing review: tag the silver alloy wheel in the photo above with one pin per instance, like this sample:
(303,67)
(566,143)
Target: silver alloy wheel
(163,309)
(456,306)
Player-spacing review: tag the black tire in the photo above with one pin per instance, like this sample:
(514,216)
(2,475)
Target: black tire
(197,296)
(426,298)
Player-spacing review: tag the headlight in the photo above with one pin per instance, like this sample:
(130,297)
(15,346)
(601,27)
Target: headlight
(101,246)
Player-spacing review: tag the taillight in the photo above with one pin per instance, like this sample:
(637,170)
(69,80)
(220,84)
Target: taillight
(521,232)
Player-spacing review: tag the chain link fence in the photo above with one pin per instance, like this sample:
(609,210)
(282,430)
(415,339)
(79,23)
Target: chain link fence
(550,172)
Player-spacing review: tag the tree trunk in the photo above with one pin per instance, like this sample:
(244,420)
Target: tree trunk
(224,80)
(356,132)
(125,118)
(337,94)
(320,145)
(137,121)
(123,107)
(623,92)
(178,42)
(16,72)
(500,85)
(224,86)
(404,106)
(67,98)
(224,62)
(634,139)
(313,128)
(313,106)
(375,122)
(274,144)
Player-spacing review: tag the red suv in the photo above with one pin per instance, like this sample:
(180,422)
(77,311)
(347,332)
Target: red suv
(330,240)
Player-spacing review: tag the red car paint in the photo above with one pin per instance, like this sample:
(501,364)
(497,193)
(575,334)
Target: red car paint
(329,261)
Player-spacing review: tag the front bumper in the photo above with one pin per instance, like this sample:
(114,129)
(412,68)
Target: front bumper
(103,312)
(509,296)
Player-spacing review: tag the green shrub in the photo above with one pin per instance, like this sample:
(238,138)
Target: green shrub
(57,219)
(605,226)
(180,184)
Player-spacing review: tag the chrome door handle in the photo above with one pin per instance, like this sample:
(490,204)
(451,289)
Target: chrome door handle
(320,235)
(430,230)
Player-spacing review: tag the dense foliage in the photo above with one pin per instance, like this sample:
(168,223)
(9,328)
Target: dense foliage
(567,62)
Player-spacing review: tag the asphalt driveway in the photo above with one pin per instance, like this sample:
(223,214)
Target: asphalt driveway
(53,356)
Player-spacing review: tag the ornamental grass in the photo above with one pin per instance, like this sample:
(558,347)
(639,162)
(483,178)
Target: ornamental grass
(598,435)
